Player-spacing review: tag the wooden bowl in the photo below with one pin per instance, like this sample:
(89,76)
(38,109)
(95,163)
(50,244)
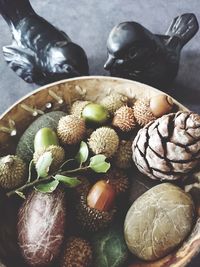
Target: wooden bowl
(57,96)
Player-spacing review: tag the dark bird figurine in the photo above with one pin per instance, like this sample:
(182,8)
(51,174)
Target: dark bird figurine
(137,54)
(40,53)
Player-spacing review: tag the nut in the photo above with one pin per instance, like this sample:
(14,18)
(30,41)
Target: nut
(101,196)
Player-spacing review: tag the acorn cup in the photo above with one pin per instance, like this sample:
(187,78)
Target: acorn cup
(45,141)
(77,253)
(124,119)
(113,102)
(13,172)
(104,141)
(96,207)
(146,110)
(123,157)
(77,107)
(71,130)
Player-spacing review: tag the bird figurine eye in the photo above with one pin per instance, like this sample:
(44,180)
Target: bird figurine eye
(132,52)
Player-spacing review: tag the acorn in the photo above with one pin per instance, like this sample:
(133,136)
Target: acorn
(124,119)
(101,196)
(13,172)
(71,130)
(104,141)
(95,114)
(46,140)
(146,110)
(160,105)
(58,155)
(113,102)
(118,180)
(77,253)
(123,156)
(92,219)
(77,107)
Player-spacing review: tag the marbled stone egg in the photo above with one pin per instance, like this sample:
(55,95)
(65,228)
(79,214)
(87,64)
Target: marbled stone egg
(109,248)
(41,224)
(158,221)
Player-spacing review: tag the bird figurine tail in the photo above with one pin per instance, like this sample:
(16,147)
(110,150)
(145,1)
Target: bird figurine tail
(15,10)
(183,28)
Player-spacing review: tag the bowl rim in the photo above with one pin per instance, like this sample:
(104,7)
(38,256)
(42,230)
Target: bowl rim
(94,77)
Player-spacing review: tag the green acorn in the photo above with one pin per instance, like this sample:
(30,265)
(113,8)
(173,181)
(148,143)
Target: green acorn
(71,130)
(104,141)
(13,172)
(113,102)
(77,107)
(95,114)
(46,140)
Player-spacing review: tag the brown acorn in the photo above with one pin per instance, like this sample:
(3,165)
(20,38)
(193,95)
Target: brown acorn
(124,119)
(77,253)
(92,219)
(101,196)
(71,130)
(161,104)
(77,107)
(123,156)
(104,141)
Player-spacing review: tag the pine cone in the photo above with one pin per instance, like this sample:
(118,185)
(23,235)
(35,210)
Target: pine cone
(169,147)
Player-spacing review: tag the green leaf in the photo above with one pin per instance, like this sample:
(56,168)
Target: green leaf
(43,164)
(47,187)
(83,153)
(98,164)
(69,181)
(21,194)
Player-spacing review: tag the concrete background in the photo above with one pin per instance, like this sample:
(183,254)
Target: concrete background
(88,23)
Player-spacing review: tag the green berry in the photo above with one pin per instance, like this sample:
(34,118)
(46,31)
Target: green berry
(96,114)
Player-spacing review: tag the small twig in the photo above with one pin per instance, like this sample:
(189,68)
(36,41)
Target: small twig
(47,179)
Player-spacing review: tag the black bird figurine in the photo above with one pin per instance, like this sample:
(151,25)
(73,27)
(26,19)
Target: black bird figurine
(40,53)
(137,54)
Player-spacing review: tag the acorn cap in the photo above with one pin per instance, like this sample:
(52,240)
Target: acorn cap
(123,156)
(77,107)
(142,112)
(84,186)
(71,129)
(124,119)
(58,155)
(104,141)
(77,253)
(91,219)
(118,179)
(113,102)
(13,172)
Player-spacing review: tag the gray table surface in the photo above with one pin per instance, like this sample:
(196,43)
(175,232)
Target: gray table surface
(88,22)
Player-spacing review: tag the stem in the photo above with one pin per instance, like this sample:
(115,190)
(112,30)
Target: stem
(47,179)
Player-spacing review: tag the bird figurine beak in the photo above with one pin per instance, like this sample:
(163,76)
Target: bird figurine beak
(110,61)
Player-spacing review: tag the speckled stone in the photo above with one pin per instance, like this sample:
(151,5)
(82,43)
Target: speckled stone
(109,248)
